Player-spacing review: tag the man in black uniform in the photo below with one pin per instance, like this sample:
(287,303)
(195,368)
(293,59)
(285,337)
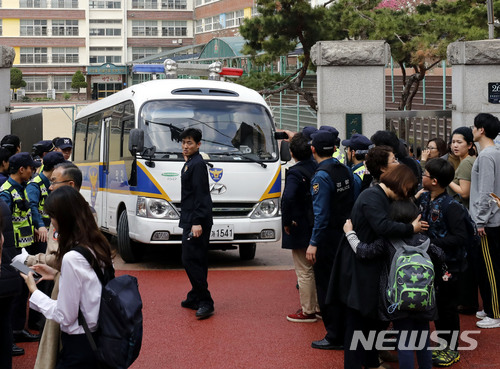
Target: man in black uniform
(196,222)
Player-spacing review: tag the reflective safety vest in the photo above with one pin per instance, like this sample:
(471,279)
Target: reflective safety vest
(43,196)
(360,172)
(339,155)
(21,216)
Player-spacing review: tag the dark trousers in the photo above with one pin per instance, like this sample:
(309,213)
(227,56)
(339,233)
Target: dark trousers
(447,296)
(488,270)
(19,306)
(76,353)
(195,262)
(333,314)
(6,340)
(357,357)
(416,330)
(469,286)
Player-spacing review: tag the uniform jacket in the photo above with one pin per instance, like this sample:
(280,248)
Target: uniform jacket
(196,203)
(294,207)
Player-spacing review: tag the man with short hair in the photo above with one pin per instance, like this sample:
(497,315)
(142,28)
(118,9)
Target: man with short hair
(332,190)
(64,145)
(196,222)
(4,164)
(484,181)
(357,148)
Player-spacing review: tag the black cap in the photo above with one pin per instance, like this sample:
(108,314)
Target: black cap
(308,131)
(44,146)
(23,159)
(323,140)
(357,142)
(51,159)
(330,129)
(64,143)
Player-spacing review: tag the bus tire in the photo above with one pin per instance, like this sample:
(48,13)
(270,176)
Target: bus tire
(128,249)
(247,251)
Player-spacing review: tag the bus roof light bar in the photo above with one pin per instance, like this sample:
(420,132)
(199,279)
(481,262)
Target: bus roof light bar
(171,69)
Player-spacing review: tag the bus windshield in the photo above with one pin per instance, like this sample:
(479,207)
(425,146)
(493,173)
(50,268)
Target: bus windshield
(231,131)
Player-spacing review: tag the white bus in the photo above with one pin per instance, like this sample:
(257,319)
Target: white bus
(127,146)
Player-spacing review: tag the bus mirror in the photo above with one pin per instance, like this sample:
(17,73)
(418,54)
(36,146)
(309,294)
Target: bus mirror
(285,151)
(136,141)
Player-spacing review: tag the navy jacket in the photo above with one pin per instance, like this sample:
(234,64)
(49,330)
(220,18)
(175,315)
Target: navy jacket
(196,203)
(294,206)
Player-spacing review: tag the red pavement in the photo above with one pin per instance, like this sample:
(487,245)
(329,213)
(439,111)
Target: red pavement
(249,328)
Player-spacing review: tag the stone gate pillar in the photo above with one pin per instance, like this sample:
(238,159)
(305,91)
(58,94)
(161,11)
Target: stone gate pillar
(351,84)
(7,55)
(475,80)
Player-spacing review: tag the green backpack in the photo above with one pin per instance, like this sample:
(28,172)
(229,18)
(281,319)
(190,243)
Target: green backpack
(411,278)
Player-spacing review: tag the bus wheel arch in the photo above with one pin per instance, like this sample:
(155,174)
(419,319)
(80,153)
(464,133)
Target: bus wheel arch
(128,249)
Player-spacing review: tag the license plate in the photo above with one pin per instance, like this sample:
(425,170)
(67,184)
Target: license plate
(222,232)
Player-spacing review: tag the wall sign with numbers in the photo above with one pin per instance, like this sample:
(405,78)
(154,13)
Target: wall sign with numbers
(494,92)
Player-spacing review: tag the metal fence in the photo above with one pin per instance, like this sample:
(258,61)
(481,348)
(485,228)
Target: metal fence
(418,126)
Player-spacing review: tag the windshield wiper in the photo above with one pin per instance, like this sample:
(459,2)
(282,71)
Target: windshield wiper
(242,155)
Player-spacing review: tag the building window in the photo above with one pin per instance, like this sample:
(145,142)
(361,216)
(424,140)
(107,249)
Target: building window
(63,83)
(234,19)
(174,4)
(33,27)
(32,3)
(103,48)
(103,27)
(101,59)
(105,4)
(72,4)
(203,2)
(174,28)
(64,55)
(64,27)
(30,55)
(199,26)
(144,28)
(143,52)
(212,24)
(144,4)
(35,84)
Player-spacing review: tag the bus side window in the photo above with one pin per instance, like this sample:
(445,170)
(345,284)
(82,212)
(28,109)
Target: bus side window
(130,163)
(93,140)
(79,141)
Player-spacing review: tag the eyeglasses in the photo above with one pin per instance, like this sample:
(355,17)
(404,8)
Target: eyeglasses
(426,175)
(431,148)
(54,183)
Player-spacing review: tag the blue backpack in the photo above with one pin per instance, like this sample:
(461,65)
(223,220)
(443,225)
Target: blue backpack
(119,336)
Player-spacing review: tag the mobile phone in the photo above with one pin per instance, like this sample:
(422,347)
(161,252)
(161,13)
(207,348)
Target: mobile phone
(25,269)
(280,135)
(494,196)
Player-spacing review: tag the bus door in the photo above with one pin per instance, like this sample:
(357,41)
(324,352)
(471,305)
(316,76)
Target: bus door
(105,173)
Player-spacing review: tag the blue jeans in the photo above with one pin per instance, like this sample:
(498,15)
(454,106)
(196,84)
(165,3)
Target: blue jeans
(415,330)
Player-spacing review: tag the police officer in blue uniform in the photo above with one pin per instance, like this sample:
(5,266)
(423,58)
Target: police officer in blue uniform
(357,148)
(196,222)
(332,190)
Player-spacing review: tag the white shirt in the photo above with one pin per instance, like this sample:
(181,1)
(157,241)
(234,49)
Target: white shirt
(78,287)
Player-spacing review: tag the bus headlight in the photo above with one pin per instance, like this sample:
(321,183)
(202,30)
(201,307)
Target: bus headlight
(155,208)
(266,209)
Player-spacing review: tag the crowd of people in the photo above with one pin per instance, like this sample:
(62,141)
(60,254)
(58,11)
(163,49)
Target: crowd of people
(347,217)
(39,231)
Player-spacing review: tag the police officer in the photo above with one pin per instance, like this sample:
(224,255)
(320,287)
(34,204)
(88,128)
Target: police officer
(196,222)
(13,192)
(38,190)
(357,148)
(64,145)
(337,154)
(332,189)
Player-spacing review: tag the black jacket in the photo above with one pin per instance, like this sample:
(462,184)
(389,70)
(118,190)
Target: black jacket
(10,280)
(356,282)
(294,206)
(196,203)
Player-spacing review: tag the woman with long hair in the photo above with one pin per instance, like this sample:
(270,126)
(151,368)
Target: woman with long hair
(462,145)
(79,286)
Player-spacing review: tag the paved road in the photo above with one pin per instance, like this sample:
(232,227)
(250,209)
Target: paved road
(267,256)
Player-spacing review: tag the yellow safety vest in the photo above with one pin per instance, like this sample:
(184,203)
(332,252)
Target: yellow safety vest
(340,156)
(44,193)
(21,219)
(360,172)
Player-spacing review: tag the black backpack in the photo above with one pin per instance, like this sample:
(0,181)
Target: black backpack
(119,336)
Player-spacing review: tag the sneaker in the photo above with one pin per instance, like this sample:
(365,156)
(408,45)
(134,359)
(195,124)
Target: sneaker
(301,317)
(481,314)
(445,357)
(488,323)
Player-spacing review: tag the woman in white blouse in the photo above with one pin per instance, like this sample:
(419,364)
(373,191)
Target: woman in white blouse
(79,286)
